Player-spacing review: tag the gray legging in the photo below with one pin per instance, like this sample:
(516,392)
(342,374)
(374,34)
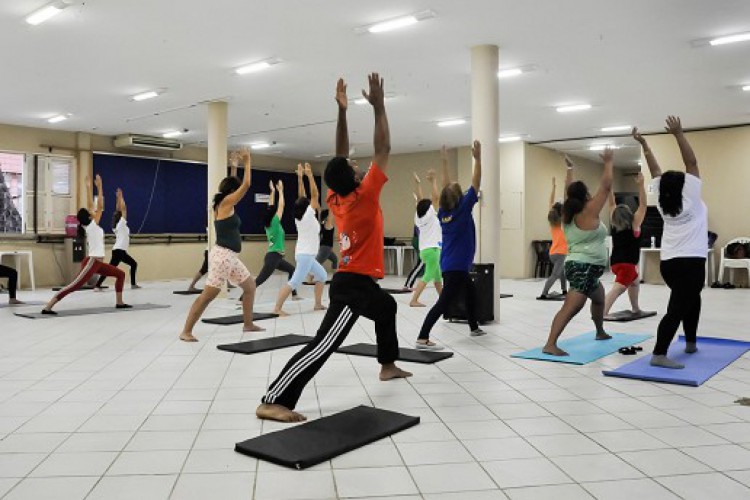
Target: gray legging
(326,253)
(558,273)
(272,262)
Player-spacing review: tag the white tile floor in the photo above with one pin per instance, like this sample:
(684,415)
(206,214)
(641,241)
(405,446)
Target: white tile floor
(115,407)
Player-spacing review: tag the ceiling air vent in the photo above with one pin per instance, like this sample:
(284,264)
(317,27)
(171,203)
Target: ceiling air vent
(136,141)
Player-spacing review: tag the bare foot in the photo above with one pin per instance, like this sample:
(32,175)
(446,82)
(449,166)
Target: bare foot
(603,336)
(416,304)
(281,313)
(278,413)
(253,328)
(15,302)
(554,351)
(187,337)
(321,307)
(391,371)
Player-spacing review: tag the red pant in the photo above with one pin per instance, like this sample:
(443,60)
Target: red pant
(89,267)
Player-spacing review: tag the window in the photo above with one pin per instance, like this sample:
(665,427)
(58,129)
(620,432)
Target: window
(11,193)
(55,176)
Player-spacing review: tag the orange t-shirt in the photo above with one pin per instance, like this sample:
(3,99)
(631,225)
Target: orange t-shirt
(559,245)
(359,221)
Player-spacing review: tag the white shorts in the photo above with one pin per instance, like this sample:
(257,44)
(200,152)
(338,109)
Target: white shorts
(223,265)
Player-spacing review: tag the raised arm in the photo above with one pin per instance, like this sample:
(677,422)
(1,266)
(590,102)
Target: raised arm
(120,204)
(234,198)
(301,192)
(418,195)
(435,194)
(674,127)
(234,160)
(99,209)
(552,194)
(476,178)
(444,166)
(653,165)
(640,212)
(568,174)
(595,205)
(314,194)
(280,190)
(382,135)
(342,128)
(611,202)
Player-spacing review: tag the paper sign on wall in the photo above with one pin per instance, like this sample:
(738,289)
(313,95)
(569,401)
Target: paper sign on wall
(261,198)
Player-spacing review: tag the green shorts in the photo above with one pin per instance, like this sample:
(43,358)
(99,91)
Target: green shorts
(431,259)
(583,277)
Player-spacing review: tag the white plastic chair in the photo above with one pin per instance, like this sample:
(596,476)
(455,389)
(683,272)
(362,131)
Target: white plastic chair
(731,264)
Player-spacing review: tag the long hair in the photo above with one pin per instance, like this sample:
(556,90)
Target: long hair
(578,195)
(84,219)
(300,207)
(450,196)
(554,216)
(268,217)
(670,192)
(116,216)
(622,218)
(227,186)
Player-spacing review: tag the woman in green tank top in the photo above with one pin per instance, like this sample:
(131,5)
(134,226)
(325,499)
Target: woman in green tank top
(587,252)
(274,258)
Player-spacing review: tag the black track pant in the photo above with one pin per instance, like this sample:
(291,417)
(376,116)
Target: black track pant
(12,275)
(272,262)
(454,282)
(351,296)
(121,256)
(415,273)
(685,277)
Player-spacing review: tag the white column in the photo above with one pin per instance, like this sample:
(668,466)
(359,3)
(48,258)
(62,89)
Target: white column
(485,127)
(217,158)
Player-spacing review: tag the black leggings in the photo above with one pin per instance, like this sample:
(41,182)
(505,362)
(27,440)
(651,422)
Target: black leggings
(12,275)
(685,277)
(272,262)
(454,282)
(121,256)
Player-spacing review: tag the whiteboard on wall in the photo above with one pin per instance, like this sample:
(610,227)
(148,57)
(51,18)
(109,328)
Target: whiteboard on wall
(511,210)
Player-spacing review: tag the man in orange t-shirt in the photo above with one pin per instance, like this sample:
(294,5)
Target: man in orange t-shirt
(355,205)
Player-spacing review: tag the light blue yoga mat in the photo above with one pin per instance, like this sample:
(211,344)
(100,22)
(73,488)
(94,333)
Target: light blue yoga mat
(584,349)
(713,356)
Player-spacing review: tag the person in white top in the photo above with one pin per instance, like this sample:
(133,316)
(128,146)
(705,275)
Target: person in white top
(684,245)
(122,241)
(308,243)
(88,224)
(430,237)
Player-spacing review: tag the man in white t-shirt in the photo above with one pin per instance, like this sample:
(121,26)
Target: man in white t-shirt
(430,237)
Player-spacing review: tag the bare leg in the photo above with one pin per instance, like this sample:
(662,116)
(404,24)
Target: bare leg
(208,294)
(421,285)
(319,286)
(612,296)
(574,302)
(51,304)
(248,296)
(119,300)
(597,312)
(284,293)
(279,413)
(633,291)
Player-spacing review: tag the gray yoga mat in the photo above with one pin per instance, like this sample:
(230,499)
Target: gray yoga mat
(89,310)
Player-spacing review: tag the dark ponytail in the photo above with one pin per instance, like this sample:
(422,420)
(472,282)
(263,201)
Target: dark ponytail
(577,196)
(116,216)
(554,216)
(227,186)
(300,207)
(670,192)
(84,219)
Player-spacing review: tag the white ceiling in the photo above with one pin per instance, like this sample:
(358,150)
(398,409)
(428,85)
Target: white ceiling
(633,61)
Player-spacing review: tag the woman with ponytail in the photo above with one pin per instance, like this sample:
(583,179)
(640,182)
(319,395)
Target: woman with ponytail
(224,263)
(684,244)
(275,233)
(88,227)
(587,253)
(122,241)
(559,248)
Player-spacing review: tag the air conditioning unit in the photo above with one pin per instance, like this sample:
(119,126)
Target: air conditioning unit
(137,141)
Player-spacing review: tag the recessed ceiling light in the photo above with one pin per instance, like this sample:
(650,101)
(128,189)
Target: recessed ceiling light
(58,118)
(147,95)
(172,133)
(260,145)
(451,123)
(573,107)
(616,128)
(724,40)
(256,66)
(509,138)
(602,147)
(395,23)
(47,12)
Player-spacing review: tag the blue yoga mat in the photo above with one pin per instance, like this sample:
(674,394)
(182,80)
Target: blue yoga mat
(713,356)
(584,349)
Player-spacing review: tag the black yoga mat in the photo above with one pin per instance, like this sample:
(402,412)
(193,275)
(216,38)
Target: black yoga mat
(187,292)
(404,354)
(395,291)
(89,310)
(314,442)
(312,283)
(262,345)
(623,316)
(506,295)
(237,319)
(554,296)
(84,287)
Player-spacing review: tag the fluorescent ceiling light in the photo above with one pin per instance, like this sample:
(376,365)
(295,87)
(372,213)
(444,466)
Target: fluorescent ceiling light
(741,37)
(508,73)
(57,119)
(256,66)
(47,12)
(573,107)
(509,138)
(146,95)
(171,134)
(395,23)
(746,88)
(602,147)
(260,145)
(617,128)
(451,123)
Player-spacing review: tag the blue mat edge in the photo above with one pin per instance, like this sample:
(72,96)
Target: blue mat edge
(562,359)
